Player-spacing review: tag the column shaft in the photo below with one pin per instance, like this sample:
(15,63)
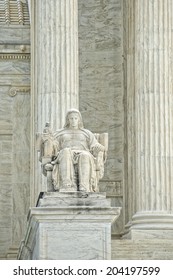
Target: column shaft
(54,41)
(151,126)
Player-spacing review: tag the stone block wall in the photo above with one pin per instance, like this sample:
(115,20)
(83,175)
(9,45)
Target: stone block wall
(14,134)
(5,171)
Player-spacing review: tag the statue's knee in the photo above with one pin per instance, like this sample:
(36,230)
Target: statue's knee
(84,156)
(65,151)
(65,154)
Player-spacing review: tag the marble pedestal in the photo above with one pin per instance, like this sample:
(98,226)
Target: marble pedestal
(72,225)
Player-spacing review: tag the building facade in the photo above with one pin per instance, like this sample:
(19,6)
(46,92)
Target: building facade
(113,61)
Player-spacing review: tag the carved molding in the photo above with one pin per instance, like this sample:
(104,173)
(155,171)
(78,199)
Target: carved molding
(7,11)
(20,12)
(15,56)
(14,49)
(6,134)
(14,12)
(22,90)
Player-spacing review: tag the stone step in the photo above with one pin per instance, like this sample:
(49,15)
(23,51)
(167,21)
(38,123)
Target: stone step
(12,253)
(149,249)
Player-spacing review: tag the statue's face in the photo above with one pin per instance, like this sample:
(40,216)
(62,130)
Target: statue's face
(73,120)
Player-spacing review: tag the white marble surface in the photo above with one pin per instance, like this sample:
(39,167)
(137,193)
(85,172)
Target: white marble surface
(54,71)
(100,76)
(15,35)
(100,68)
(76,198)
(145,249)
(70,226)
(101,80)
(75,242)
(14,135)
(149,165)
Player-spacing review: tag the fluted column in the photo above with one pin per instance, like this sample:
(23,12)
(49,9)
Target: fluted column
(150,104)
(54,29)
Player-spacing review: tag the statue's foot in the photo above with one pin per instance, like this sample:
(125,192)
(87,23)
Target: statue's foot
(67,188)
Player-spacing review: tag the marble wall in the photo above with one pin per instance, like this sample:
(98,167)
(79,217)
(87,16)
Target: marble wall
(100,83)
(5,170)
(14,134)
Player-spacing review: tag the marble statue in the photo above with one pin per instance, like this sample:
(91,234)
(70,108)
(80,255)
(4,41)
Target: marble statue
(73,157)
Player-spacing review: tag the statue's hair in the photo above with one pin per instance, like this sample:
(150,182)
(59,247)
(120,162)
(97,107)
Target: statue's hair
(67,123)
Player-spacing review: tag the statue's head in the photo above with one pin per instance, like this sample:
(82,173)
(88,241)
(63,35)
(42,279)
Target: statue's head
(78,114)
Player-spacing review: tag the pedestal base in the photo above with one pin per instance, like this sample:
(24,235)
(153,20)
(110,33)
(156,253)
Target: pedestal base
(71,226)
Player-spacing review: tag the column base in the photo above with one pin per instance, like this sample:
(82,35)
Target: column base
(71,226)
(148,225)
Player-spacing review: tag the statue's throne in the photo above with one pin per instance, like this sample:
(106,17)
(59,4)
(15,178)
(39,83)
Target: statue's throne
(48,154)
